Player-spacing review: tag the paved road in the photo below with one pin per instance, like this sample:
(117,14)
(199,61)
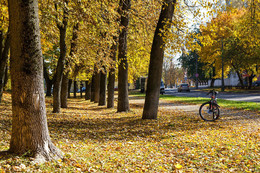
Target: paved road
(246,96)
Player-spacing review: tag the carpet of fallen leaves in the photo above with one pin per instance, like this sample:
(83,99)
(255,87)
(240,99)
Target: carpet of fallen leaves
(96,139)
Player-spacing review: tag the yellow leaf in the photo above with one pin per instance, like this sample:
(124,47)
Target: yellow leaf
(178,166)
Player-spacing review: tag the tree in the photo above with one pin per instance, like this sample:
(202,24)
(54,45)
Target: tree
(123,101)
(65,78)
(156,61)
(112,76)
(61,61)
(189,62)
(232,37)
(29,125)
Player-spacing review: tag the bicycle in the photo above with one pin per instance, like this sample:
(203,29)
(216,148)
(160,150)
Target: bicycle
(209,111)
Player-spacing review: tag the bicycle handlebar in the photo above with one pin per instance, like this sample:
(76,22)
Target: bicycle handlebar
(212,92)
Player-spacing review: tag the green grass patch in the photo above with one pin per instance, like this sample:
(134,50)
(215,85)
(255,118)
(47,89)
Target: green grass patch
(223,103)
(199,100)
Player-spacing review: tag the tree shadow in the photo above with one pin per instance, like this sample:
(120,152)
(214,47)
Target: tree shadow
(5,155)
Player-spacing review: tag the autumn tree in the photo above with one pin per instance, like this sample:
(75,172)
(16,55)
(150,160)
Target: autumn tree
(156,61)
(231,39)
(4,45)
(123,101)
(29,125)
(61,61)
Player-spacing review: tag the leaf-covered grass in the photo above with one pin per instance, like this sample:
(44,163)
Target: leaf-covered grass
(96,139)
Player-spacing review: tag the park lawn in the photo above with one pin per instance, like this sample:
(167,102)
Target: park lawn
(223,103)
(199,100)
(96,139)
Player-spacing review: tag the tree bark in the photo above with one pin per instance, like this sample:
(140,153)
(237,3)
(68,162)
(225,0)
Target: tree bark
(65,78)
(103,85)
(123,101)
(61,61)
(29,124)
(64,90)
(97,87)
(156,61)
(69,88)
(112,77)
(250,80)
(6,76)
(49,82)
(212,82)
(92,98)
(80,88)
(75,87)
(3,62)
(88,90)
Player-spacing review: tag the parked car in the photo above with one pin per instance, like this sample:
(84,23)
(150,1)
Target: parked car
(162,89)
(184,87)
(83,89)
(256,83)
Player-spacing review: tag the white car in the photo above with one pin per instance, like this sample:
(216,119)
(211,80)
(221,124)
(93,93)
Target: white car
(184,87)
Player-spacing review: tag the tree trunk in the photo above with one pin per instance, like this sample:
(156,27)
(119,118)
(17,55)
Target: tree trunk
(92,98)
(29,124)
(65,80)
(88,90)
(156,61)
(6,76)
(61,62)
(112,77)
(250,81)
(123,101)
(212,82)
(97,87)
(240,79)
(75,89)
(48,81)
(103,85)
(3,62)
(81,92)
(69,87)
(64,90)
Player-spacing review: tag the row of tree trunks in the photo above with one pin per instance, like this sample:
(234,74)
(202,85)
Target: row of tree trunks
(4,50)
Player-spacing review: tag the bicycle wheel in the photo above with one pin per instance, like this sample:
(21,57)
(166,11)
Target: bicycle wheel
(208,112)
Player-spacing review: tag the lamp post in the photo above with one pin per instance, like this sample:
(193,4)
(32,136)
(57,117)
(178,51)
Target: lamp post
(222,77)
(196,75)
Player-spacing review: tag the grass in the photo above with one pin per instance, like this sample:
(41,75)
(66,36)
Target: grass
(199,100)
(223,103)
(96,139)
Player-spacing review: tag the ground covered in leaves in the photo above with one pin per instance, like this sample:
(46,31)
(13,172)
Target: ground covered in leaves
(96,139)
